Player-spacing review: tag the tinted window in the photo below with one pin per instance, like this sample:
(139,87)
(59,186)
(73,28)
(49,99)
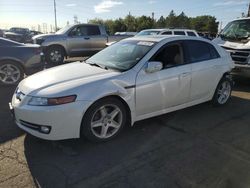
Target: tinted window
(167,33)
(93,30)
(179,33)
(190,33)
(201,51)
(79,31)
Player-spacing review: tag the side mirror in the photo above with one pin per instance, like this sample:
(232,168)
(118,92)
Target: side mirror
(154,66)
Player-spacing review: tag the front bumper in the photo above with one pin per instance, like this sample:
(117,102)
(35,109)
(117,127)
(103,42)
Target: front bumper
(63,121)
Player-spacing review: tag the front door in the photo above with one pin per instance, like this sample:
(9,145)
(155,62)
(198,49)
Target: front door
(166,88)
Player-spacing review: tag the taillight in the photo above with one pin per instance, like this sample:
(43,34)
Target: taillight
(38,51)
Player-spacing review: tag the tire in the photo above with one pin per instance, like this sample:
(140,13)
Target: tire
(55,55)
(223,92)
(11,73)
(98,125)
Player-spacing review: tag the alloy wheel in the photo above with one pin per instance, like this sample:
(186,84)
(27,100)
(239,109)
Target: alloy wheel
(106,121)
(224,92)
(9,74)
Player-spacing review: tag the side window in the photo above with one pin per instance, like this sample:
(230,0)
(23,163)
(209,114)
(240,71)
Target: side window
(79,31)
(200,51)
(170,55)
(167,33)
(179,33)
(213,52)
(93,30)
(190,33)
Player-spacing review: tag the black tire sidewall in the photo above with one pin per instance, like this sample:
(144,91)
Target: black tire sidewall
(215,97)
(18,66)
(54,48)
(86,123)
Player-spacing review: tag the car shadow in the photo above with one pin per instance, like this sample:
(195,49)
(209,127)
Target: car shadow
(8,128)
(64,163)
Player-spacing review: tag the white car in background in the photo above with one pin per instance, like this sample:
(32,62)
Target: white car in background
(134,79)
(184,32)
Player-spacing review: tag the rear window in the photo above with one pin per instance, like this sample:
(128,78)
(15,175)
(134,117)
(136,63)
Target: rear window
(190,33)
(200,51)
(179,33)
(93,30)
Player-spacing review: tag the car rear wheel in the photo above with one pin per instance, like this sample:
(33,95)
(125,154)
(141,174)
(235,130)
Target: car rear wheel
(104,120)
(223,92)
(55,55)
(11,73)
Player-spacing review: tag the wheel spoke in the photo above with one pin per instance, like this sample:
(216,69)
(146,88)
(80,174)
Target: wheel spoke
(114,113)
(12,78)
(97,124)
(104,131)
(114,124)
(2,72)
(219,92)
(103,111)
(4,79)
(15,72)
(9,67)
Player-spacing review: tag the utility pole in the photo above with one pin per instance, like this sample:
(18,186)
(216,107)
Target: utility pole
(248,12)
(55,15)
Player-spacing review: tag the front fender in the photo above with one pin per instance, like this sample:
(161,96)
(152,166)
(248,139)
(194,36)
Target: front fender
(117,88)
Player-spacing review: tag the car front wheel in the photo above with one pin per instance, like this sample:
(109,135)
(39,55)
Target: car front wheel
(104,120)
(223,92)
(55,55)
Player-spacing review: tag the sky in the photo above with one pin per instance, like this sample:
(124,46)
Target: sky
(30,13)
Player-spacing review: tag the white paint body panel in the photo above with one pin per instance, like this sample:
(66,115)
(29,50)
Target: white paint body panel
(147,95)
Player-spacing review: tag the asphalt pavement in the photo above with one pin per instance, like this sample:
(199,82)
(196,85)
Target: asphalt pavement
(201,146)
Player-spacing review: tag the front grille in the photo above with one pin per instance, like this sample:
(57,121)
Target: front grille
(239,56)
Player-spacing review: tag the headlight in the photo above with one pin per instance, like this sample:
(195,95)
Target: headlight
(42,101)
(40,41)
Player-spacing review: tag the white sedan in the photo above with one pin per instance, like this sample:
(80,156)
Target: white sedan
(134,79)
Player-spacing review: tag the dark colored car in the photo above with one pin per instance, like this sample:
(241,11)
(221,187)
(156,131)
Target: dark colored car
(1,33)
(19,35)
(18,59)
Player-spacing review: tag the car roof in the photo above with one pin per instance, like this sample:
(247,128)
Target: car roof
(159,38)
(169,29)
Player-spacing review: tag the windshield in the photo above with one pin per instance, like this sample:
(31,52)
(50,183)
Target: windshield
(19,30)
(236,30)
(148,33)
(63,30)
(122,55)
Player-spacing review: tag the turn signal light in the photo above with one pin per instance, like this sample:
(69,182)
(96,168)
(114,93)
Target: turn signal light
(61,100)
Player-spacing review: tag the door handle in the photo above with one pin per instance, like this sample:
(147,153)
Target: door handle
(185,74)
(86,38)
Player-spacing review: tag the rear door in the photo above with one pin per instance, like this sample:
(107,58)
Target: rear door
(206,68)
(96,38)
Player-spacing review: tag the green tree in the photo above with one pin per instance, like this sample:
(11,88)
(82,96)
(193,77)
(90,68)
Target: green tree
(161,22)
(144,22)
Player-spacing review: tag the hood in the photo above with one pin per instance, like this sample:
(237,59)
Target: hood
(62,78)
(44,36)
(231,44)
(11,33)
